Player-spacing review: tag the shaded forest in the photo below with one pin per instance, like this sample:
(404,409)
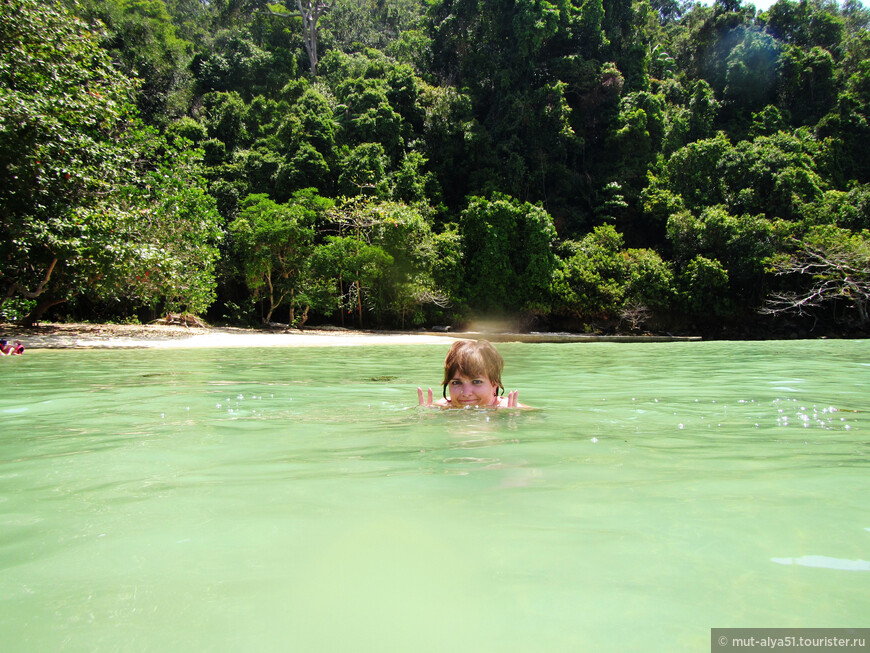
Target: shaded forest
(598,165)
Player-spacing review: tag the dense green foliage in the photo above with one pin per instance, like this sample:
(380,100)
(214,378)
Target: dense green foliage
(642,163)
(92,202)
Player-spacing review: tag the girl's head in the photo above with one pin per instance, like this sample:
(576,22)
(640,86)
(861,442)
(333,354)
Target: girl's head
(473,359)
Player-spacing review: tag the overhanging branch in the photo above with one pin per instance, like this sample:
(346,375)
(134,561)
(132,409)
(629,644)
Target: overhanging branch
(839,272)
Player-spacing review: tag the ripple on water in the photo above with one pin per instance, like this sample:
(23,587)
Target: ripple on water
(825,562)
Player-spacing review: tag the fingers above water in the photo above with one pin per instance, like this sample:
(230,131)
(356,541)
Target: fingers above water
(428,400)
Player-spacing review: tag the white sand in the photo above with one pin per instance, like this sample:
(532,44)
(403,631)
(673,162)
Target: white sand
(157,337)
(222,340)
(99,336)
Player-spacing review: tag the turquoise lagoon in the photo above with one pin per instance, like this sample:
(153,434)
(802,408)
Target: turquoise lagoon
(296,499)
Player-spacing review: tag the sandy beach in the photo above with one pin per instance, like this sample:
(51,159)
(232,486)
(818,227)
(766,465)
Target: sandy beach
(157,336)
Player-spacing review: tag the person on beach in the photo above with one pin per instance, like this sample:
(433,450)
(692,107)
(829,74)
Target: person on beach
(472,374)
(15,349)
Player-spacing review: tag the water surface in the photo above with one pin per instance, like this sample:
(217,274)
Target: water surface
(297,499)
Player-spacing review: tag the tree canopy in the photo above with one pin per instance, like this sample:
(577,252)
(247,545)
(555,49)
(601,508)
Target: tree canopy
(643,163)
(92,202)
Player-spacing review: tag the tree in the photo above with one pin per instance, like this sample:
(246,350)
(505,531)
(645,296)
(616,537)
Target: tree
(807,88)
(311,11)
(848,210)
(463,132)
(224,117)
(703,288)
(142,39)
(407,288)
(274,242)
(775,175)
(805,24)
(601,279)
(507,254)
(234,63)
(752,70)
(740,245)
(534,74)
(692,174)
(831,266)
(370,23)
(168,232)
(353,269)
(367,116)
(848,127)
(86,198)
(638,135)
(397,238)
(363,170)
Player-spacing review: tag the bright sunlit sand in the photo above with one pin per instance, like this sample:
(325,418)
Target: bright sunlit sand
(307,339)
(69,336)
(153,336)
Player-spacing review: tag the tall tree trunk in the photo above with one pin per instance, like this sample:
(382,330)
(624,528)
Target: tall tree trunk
(341,298)
(38,311)
(311,11)
(272,304)
(359,302)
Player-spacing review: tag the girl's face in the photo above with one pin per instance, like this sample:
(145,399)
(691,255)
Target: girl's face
(467,391)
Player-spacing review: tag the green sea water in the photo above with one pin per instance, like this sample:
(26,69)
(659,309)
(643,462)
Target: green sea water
(297,499)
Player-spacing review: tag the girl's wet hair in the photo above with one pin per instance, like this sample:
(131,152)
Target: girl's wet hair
(474,359)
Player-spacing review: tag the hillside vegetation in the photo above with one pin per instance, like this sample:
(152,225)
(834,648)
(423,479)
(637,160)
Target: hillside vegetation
(579,164)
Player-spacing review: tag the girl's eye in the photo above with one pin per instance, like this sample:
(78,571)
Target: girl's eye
(477,381)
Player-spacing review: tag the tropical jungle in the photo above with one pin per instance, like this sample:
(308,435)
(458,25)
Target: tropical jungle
(581,165)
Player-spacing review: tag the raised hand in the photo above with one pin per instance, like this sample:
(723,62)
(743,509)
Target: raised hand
(428,398)
(512,399)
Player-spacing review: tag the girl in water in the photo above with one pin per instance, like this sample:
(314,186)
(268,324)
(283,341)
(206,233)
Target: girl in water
(472,374)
